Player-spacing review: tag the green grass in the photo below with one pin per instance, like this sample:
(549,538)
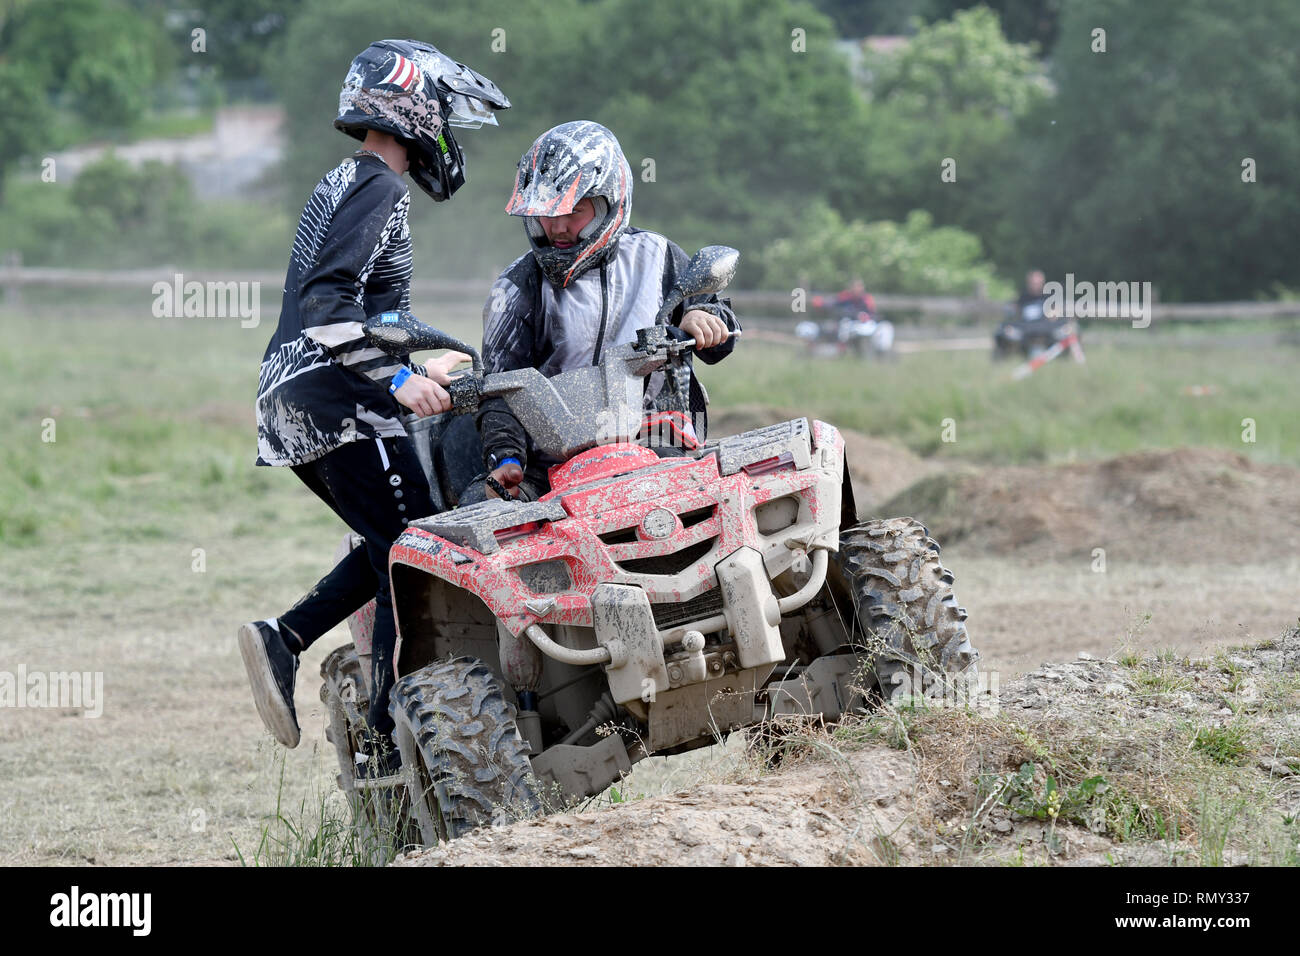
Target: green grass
(1122,400)
(154,424)
(1223,745)
(173,125)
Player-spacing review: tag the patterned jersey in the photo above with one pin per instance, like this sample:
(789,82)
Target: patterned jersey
(321,383)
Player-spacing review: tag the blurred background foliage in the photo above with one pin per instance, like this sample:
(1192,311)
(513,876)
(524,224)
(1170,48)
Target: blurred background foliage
(772,125)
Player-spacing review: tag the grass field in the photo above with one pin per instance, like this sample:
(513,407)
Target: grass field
(138,538)
(1121,400)
(153,417)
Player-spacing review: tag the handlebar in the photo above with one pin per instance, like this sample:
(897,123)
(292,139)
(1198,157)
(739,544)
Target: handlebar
(540,402)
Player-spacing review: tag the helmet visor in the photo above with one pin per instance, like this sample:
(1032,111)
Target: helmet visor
(468,112)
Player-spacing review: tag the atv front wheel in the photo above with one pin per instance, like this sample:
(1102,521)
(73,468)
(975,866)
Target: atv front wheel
(905,615)
(465,762)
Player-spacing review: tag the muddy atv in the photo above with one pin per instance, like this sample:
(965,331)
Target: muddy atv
(660,596)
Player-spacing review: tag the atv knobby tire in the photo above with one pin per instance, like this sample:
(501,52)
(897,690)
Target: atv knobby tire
(465,762)
(911,630)
(381,816)
(346,702)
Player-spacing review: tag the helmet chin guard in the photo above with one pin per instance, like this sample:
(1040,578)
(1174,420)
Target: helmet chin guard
(574,161)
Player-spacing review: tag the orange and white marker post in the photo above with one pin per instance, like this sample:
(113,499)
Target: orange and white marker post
(1071,342)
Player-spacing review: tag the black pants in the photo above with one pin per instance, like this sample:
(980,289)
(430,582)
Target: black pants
(376,486)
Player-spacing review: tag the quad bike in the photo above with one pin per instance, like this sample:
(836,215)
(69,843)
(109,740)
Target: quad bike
(1035,336)
(656,599)
(850,331)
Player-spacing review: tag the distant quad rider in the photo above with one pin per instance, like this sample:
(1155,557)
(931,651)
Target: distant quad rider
(328,403)
(855,298)
(853,321)
(588,283)
(1024,323)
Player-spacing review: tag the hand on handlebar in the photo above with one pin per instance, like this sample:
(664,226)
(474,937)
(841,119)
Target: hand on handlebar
(439,369)
(705,328)
(509,475)
(423,396)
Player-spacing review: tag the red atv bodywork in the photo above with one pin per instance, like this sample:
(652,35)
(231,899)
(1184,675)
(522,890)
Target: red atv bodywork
(602,537)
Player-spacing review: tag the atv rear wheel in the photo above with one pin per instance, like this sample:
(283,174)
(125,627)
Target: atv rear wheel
(905,615)
(380,815)
(463,757)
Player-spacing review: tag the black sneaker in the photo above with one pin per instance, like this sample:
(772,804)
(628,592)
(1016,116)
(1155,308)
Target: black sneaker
(272,669)
(381,759)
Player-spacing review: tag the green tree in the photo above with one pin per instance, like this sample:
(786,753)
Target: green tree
(96,58)
(911,257)
(23,132)
(1135,169)
(1024,21)
(943,112)
(91,61)
(746,123)
(237,34)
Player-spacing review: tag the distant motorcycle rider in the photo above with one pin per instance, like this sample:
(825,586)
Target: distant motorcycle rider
(328,403)
(588,282)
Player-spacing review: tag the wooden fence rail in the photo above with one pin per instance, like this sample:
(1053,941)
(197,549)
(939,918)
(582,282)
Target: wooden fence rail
(465,291)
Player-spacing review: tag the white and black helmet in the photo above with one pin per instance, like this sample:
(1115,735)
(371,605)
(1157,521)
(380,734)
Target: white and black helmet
(572,162)
(413,91)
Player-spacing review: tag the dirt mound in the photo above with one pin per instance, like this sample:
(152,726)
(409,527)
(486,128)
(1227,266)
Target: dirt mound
(1187,504)
(880,469)
(806,817)
(1092,762)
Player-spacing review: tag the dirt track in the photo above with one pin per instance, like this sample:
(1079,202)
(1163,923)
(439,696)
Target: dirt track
(178,766)
(1205,753)
(1199,552)
(1184,549)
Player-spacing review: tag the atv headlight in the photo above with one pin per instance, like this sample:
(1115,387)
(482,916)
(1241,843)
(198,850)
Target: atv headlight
(545,577)
(776,515)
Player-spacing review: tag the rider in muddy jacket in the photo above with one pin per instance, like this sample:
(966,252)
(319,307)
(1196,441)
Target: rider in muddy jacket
(588,283)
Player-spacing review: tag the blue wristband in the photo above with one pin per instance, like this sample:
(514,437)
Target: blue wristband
(399,379)
(510,461)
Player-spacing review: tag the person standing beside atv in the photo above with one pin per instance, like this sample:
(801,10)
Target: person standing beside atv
(588,283)
(328,403)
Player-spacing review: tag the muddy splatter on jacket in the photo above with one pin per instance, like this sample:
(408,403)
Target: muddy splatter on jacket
(528,322)
(321,383)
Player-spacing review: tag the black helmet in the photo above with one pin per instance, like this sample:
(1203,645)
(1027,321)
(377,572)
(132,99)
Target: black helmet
(571,162)
(412,91)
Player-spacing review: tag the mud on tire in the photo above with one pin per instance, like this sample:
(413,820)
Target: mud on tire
(905,614)
(464,759)
(381,816)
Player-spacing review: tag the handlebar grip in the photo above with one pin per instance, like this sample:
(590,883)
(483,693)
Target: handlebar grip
(466,392)
(689,343)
